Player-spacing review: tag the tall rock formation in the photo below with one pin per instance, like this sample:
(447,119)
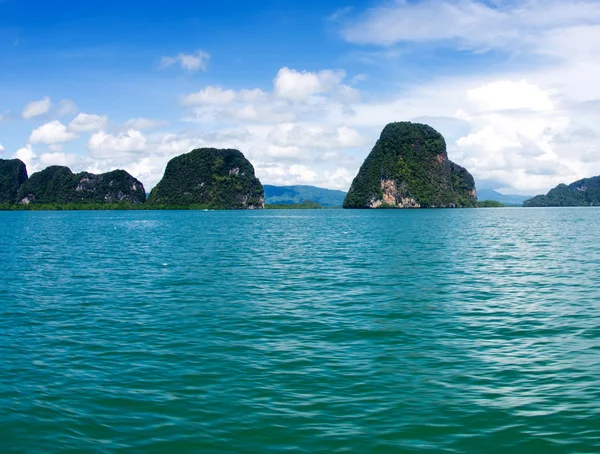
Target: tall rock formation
(13,174)
(409,168)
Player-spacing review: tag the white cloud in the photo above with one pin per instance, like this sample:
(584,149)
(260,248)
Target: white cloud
(51,133)
(27,155)
(58,159)
(88,122)
(107,145)
(2,149)
(210,95)
(509,95)
(293,85)
(66,107)
(36,108)
(469,24)
(144,124)
(189,62)
(303,174)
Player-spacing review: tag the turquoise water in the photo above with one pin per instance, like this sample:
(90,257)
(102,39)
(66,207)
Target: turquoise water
(300,331)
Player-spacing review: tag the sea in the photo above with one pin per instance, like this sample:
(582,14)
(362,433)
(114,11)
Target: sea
(300,331)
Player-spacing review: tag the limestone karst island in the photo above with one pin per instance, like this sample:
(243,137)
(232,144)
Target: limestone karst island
(407,168)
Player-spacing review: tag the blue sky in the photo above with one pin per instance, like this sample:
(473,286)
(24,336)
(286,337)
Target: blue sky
(303,88)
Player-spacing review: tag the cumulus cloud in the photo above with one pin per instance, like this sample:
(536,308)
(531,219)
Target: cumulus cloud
(191,63)
(88,122)
(27,155)
(211,96)
(510,95)
(36,108)
(293,85)
(2,149)
(51,133)
(59,159)
(108,145)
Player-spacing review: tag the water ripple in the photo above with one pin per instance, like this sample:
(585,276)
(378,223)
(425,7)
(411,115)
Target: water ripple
(315,331)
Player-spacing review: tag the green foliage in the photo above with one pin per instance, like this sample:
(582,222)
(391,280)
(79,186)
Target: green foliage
(57,185)
(96,207)
(221,179)
(307,204)
(414,156)
(275,195)
(13,174)
(490,204)
(584,192)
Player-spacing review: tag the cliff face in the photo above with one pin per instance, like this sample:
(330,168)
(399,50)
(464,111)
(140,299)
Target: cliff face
(13,174)
(212,177)
(57,184)
(409,168)
(584,192)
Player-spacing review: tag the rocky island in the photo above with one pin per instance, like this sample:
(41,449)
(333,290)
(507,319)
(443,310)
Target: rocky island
(581,193)
(209,177)
(409,168)
(13,174)
(58,185)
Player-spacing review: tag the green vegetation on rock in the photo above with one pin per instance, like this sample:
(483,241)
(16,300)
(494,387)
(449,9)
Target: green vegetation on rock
(409,168)
(307,204)
(584,192)
(13,174)
(289,195)
(222,179)
(58,185)
(489,204)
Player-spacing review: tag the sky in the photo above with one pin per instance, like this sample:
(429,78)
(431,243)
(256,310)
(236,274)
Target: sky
(303,88)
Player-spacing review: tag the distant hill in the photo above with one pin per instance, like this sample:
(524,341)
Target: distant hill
(584,192)
(506,199)
(289,195)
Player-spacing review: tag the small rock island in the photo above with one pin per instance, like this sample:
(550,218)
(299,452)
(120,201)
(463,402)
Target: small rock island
(212,177)
(58,185)
(409,168)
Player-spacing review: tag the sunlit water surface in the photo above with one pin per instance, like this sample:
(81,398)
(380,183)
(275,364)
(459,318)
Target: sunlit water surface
(300,331)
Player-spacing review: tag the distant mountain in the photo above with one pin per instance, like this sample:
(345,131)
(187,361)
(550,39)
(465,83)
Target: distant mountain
(584,192)
(506,199)
(288,195)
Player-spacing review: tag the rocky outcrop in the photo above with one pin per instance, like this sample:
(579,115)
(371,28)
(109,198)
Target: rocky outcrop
(584,192)
(58,185)
(13,174)
(210,177)
(409,168)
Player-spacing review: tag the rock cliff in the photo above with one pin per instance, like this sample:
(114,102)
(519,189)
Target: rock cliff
(208,176)
(409,168)
(13,174)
